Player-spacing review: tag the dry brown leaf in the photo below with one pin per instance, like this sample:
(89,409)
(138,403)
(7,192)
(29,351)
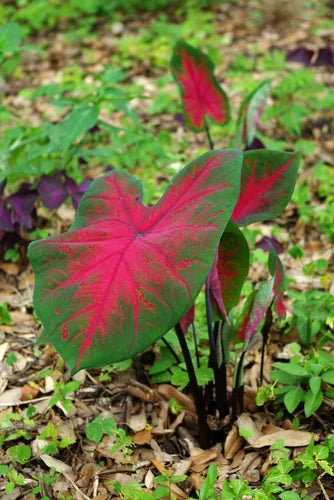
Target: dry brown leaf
(28,392)
(291,438)
(149,480)
(205,457)
(233,443)
(59,466)
(245,422)
(9,268)
(138,421)
(142,437)
(169,392)
(10,397)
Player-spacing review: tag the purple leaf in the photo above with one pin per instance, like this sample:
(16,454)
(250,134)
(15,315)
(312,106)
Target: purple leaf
(325,57)
(23,203)
(300,55)
(5,220)
(52,190)
(255,144)
(266,243)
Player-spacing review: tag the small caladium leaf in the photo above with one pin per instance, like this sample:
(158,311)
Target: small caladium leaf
(232,264)
(267,182)
(276,270)
(125,273)
(250,113)
(266,242)
(256,312)
(201,93)
(188,319)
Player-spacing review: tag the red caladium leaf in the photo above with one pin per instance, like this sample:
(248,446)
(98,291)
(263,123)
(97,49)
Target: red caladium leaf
(256,311)
(201,93)
(232,264)
(188,319)
(250,113)
(276,270)
(267,182)
(125,273)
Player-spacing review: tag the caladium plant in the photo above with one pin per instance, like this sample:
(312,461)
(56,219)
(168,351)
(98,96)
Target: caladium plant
(100,291)
(125,273)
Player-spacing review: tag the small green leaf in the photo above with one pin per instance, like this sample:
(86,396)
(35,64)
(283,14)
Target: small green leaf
(293,398)
(312,402)
(20,453)
(315,384)
(328,377)
(94,431)
(289,495)
(292,369)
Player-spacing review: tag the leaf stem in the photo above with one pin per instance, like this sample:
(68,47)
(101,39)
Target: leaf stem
(220,401)
(237,389)
(207,130)
(196,344)
(196,392)
(265,334)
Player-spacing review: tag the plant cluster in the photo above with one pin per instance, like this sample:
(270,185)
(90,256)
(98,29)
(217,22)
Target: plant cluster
(192,233)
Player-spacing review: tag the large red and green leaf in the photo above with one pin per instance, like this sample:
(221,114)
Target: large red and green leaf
(125,273)
(201,93)
(276,270)
(250,113)
(232,264)
(255,311)
(267,182)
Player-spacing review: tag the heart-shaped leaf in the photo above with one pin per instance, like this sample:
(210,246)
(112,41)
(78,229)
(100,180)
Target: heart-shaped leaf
(126,273)
(267,182)
(250,113)
(201,93)
(232,264)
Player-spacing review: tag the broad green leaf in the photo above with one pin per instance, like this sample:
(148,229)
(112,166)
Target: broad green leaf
(292,369)
(64,133)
